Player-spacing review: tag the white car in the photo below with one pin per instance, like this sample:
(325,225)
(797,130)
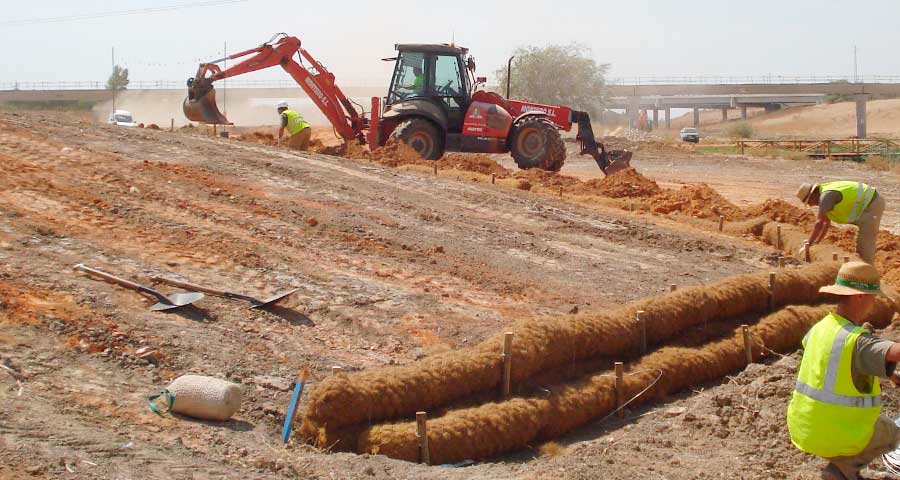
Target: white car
(122,118)
(690,134)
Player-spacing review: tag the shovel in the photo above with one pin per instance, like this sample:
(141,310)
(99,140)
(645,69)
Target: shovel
(254,302)
(165,303)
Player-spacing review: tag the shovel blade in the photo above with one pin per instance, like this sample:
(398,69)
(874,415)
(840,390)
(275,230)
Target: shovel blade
(618,160)
(200,106)
(177,300)
(274,300)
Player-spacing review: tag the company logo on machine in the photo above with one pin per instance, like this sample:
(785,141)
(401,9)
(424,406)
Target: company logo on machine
(474,129)
(476,113)
(533,108)
(316,90)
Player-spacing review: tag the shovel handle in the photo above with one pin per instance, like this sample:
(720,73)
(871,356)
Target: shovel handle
(109,278)
(189,286)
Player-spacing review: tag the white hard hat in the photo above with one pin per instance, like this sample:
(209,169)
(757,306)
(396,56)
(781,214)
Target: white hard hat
(282,104)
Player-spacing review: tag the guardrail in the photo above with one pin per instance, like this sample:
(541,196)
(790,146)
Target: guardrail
(164,85)
(851,147)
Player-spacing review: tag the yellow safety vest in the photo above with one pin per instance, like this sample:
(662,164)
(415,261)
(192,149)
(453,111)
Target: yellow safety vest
(295,122)
(827,415)
(856,197)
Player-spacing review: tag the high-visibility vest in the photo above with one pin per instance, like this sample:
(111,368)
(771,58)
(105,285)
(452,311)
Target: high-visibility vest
(856,197)
(419,83)
(295,122)
(827,415)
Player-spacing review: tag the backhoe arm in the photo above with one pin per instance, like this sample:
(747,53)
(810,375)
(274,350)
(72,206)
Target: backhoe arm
(316,81)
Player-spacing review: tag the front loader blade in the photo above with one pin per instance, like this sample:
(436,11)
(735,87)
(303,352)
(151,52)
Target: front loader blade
(203,109)
(618,160)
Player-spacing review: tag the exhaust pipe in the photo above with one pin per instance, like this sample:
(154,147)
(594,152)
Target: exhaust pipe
(200,104)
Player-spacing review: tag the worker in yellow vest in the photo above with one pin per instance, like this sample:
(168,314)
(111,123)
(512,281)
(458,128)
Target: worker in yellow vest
(846,203)
(835,410)
(297,128)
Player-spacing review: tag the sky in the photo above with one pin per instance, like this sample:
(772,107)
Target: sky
(636,37)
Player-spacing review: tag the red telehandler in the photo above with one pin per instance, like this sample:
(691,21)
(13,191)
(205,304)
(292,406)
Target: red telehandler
(434,104)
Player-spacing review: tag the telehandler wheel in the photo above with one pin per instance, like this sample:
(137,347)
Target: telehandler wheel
(536,143)
(422,136)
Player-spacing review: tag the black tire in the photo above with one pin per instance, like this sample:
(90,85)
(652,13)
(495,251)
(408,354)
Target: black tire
(422,136)
(536,143)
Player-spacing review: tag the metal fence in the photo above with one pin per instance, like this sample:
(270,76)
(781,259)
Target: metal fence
(163,85)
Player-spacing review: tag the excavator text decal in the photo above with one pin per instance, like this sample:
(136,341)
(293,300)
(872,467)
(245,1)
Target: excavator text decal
(315,88)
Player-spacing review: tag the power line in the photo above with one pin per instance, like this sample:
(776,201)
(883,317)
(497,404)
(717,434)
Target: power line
(116,13)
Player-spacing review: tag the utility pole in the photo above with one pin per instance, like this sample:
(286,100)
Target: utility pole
(225,86)
(855,66)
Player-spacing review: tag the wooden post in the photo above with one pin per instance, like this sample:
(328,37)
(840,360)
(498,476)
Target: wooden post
(778,237)
(422,435)
(806,254)
(620,387)
(846,258)
(336,370)
(721,222)
(507,362)
(642,328)
(781,261)
(771,291)
(560,191)
(748,350)
(493,178)
(435,167)
(673,287)
(172,125)
(741,146)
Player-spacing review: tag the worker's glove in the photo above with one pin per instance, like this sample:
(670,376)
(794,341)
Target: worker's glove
(801,253)
(895,379)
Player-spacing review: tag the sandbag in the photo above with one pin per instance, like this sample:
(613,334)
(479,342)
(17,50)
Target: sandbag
(203,397)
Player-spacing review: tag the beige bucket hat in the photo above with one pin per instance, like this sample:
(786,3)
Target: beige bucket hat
(856,278)
(805,191)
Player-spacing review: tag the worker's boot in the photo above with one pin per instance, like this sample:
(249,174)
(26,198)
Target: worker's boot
(832,472)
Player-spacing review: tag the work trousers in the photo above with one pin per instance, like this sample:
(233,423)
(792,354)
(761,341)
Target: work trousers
(300,140)
(869,223)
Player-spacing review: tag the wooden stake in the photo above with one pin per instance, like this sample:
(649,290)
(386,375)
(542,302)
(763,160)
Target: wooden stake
(721,222)
(806,255)
(748,350)
(560,191)
(771,291)
(172,126)
(620,387)
(422,435)
(778,237)
(673,287)
(846,258)
(336,370)
(493,178)
(642,327)
(781,261)
(507,362)
(435,167)
(834,257)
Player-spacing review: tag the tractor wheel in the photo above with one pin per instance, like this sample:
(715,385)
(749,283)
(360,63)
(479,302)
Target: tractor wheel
(536,143)
(422,136)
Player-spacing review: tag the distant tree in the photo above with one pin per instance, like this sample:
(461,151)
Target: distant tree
(118,80)
(557,75)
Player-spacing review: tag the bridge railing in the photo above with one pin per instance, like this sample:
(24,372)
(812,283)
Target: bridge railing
(749,79)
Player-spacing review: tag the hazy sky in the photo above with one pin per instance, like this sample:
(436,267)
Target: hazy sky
(637,37)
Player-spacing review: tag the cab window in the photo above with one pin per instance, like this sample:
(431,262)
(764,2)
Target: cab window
(409,77)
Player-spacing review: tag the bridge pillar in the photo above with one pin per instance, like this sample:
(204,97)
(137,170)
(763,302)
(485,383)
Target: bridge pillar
(861,115)
(668,118)
(724,114)
(743,113)
(633,111)
(655,118)
(696,117)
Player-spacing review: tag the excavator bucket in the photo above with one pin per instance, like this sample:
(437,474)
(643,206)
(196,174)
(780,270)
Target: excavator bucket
(200,106)
(618,160)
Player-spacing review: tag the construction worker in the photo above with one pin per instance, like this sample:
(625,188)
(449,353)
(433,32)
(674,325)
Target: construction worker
(847,203)
(835,411)
(297,128)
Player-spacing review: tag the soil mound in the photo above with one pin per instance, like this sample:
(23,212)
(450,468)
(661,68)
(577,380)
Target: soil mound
(695,200)
(262,138)
(543,178)
(625,183)
(473,162)
(780,211)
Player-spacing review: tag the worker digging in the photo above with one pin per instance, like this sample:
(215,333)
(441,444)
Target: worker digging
(298,129)
(835,411)
(845,202)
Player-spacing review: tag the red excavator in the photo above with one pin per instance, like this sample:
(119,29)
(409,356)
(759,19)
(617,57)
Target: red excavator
(434,104)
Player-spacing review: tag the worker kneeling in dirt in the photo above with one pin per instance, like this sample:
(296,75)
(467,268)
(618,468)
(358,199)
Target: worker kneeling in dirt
(835,411)
(848,203)
(297,128)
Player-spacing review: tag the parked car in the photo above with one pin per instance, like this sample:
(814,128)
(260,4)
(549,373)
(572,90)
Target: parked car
(690,134)
(122,118)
